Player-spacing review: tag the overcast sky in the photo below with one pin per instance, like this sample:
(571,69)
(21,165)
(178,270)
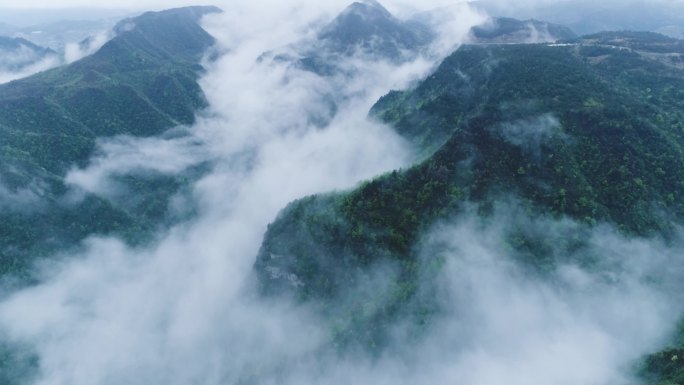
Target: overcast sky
(117,4)
(145,4)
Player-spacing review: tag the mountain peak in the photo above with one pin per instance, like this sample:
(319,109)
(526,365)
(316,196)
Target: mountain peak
(188,14)
(368,26)
(371,3)
(367,8)
(360,18)
(17,53)
(174,34)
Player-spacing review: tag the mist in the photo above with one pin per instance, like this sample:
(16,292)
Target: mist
(24,62)
(184,310)
(40,66)
(580,322)
(20,200)
(76,51)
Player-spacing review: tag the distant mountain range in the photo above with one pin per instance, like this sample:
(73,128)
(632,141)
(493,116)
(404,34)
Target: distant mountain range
(56,35)
(367,27)
(587,16)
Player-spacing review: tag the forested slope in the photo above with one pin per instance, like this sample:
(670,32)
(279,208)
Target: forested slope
(591,129)
(142,82)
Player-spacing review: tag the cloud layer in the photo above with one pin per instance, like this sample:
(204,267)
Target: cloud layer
(182,310)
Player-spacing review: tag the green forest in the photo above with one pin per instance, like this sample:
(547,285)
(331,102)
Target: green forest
(603,143)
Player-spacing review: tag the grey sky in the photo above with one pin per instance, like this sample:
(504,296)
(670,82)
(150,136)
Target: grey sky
(117,4)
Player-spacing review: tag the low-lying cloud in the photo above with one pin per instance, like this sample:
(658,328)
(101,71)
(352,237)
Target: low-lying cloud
(24,62)
(30,65)
(125,155)
(182,310)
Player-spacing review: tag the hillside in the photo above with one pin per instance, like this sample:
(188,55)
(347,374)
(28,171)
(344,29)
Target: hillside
(141,83)
(368,27)
(394,195)
(589,130)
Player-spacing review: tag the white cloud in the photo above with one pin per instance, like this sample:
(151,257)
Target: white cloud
(124,155)
(7,75)
(75,51)
(24,62)
(183,311)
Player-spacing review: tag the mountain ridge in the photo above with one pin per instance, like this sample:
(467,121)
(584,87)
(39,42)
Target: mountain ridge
(597,141)
(141,83)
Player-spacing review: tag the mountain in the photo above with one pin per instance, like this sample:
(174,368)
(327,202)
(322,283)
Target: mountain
(57,28)
(363,28)
(587,132)
(501,30)
(17,53)
(368,27)
(142,82)
(591,130)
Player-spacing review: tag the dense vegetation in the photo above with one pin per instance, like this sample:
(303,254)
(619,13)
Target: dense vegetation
(142,82)
(591,129)
(18,364)
(588,130)
(667,366)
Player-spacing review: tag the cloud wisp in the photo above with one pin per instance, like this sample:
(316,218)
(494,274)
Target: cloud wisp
(24,62)
(29,64)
